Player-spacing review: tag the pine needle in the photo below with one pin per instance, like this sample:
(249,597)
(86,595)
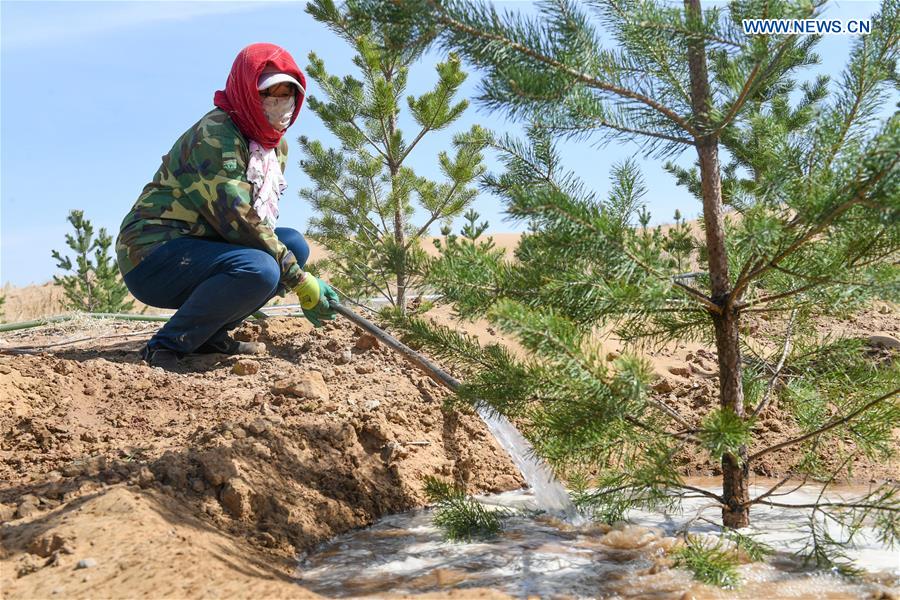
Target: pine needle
(713,564)
(461,518)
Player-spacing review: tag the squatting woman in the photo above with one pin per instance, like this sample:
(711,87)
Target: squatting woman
(201,237)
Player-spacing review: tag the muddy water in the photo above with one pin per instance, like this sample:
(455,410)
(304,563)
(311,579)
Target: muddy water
(546,558)
(549,494)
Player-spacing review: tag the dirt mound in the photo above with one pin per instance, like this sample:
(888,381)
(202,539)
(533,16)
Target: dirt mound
(133,472)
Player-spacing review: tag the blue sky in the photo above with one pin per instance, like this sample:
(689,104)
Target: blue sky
(92,94)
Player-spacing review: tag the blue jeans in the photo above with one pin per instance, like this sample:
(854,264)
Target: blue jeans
(214,286)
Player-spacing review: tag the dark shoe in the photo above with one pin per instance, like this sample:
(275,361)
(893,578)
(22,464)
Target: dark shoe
(226,345)
(163,358)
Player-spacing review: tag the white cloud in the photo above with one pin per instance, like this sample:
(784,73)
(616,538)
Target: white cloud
(51,22)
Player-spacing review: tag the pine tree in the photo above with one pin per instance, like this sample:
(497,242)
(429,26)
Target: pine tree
(95,284)
(365,195)
(469,233)
(812,180)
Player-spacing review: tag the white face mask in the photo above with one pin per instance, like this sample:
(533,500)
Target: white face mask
(278,111)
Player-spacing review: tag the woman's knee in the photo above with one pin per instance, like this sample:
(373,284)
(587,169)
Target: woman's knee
(295,242)
(259,271)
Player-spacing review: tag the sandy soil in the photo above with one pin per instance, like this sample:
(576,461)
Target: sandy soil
(143,472)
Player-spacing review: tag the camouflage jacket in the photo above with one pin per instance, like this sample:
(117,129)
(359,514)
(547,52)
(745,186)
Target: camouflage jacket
(201,190)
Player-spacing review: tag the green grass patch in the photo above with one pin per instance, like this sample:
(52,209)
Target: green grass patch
(713,564)
(461,518)
(751,547)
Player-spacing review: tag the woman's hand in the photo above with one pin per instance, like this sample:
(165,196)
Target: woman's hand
(316,299)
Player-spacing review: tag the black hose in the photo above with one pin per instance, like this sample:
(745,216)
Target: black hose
(434,371)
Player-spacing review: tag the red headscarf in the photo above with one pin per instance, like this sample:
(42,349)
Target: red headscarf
(240,98)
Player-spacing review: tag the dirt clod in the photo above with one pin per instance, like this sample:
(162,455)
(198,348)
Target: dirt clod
(245,367)
(663,386)
(366,342)
(236,498)
(884,341)
(681,371)
(145,477)
(258,426)
(7,512)
(309,385)
(47,544)
(28,505)
(217,467)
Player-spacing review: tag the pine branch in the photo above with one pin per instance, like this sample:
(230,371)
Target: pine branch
(669,411)
(378,208)
(862,88)
(361,271)
(657,332)
(771,491)
(412,144)
(831,425)
(692,292)
(778,367)
(447,94)
(739,103)
(435,215)
(660,60)
(599,122)
(819,505)
(582,77)
(702,492)
(851,263)
(666,27)
(354,212)
(818,282)
(697,294)
(370,140)
(752,80)
(782,295)
(821,225)
(681,435)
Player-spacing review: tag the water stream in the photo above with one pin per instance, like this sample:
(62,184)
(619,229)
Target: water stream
(549,558)
(549,494)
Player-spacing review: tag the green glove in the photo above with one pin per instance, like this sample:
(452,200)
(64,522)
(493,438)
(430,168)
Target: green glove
(316,300)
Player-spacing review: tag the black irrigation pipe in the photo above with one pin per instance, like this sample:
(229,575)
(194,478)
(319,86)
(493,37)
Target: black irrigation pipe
(418,359)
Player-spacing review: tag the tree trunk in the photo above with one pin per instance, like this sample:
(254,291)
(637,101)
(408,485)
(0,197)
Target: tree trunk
(735,491)
(735,512)
(399,221)
(400,239)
